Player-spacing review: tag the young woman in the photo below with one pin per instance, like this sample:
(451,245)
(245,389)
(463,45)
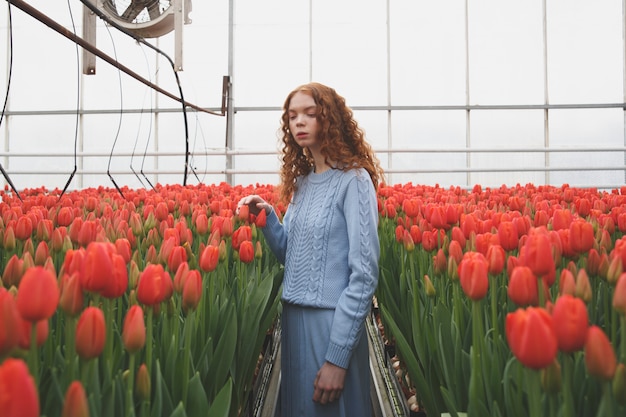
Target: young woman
(328,243)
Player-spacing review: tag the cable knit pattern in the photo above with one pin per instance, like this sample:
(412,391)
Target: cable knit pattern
(328,241)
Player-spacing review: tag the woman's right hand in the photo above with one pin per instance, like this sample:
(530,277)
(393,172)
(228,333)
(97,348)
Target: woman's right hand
(255,204)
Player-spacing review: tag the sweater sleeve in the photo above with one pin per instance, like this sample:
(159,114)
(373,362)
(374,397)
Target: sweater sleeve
(276,233)
(361,213)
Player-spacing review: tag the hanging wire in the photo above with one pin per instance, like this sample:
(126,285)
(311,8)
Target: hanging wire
(139,39)
(69,180)
(121,114)
(138,131)
(6,97)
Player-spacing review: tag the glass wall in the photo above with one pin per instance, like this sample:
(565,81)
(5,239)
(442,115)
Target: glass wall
(449,92)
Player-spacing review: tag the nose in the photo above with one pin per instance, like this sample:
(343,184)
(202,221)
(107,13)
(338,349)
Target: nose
(299,120)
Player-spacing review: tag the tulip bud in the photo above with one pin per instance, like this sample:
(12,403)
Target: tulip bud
(619,296)
(551,378)
(75,404)
(90,333)
(246,252)
(134,330)
(583,287)
(258,250)
(599,354)
(192,290)
(429,287)
(142,383)
(619,384)
(615,270)
(571,321)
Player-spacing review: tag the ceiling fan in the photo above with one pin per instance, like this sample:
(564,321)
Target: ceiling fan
(144,19)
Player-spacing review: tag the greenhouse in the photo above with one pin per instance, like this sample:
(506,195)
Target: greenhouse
(186,211)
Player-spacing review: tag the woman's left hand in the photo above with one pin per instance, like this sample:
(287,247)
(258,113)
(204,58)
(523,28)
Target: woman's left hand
(328,383)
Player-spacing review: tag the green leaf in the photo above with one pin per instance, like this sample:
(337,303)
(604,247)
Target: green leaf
(221,405)
(197,403)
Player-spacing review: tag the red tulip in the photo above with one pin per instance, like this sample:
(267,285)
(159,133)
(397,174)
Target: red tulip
(38,294)
(571,321)
(261,219)
(97,267)
(90,333)
(87,233)
(23,228)
(75,404)
(134,330)
(496,258)
(473,275)
(581,236)
(152,288)
(523,287)
(192,290)
(9,317)
(209,258)
(619,295)
(508,236)
(42,329)
(177,256)
(524,328)
(537,254)
(561,219)
(118,281)
(13,272)
(246,251)
(65,216)
(71,299)
(567,283)
(202,224)
(599,354)
(18,392)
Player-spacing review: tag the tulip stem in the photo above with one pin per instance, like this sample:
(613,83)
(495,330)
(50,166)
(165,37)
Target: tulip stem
(149,330)
(70,345)
(568,400)
(476,390)
(33,353)
(186,353)
(533,386)
(603,409)
(130,406)
(623,338)
(494,306)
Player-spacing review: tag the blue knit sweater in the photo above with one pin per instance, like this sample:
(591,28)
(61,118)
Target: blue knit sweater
(328,242)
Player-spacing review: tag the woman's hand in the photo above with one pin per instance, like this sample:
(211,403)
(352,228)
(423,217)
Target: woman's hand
(255,204)
(328,383)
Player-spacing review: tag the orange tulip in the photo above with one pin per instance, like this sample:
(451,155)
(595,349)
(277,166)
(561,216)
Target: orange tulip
(134,330)
(177,256)
(496,258)
(508,236)
(90,333)
(571,321)
(524,328)
(202,224)
(18,392)
(473,275)
(600,357)
(75,404)
(38,294)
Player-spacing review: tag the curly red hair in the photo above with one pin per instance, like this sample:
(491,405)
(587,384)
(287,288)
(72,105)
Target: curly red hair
(341,140)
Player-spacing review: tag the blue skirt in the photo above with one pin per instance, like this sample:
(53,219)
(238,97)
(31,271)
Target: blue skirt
(304,341)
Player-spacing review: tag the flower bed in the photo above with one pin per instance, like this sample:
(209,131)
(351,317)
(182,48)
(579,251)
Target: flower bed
(163,302)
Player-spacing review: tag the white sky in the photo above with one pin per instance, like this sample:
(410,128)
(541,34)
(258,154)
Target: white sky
(374,52)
